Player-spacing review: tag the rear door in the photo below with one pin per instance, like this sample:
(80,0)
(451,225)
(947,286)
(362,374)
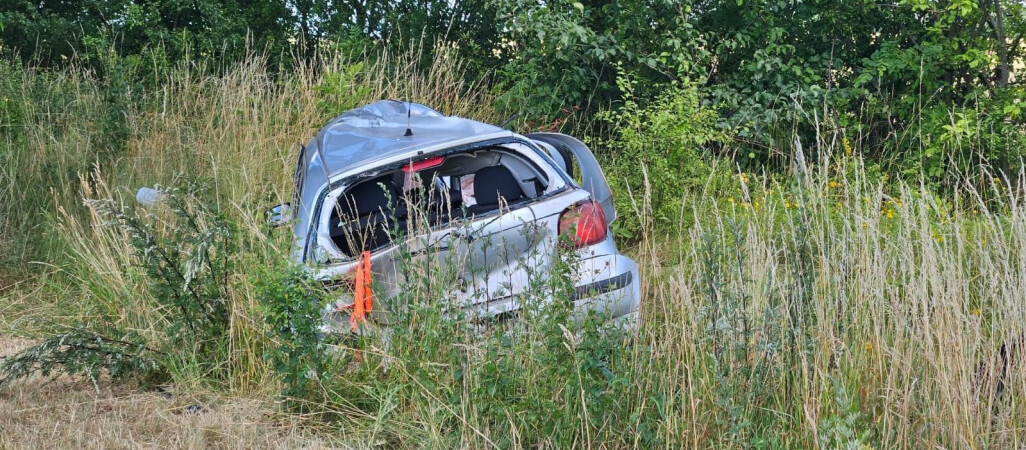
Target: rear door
(569,150)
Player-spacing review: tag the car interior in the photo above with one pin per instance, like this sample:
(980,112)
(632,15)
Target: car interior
(436,190)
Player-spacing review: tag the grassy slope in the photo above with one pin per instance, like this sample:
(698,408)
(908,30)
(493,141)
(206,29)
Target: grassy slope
(816,313)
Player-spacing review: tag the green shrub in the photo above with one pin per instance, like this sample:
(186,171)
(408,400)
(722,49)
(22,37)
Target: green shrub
(83,351)
(658,149)
(342,90)
(292,310)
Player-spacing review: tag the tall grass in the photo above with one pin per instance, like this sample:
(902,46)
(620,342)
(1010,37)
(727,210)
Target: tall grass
(824,311)
(239,127)
(835,313)
(236,131)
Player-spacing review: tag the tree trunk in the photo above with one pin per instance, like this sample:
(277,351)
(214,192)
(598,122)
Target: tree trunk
(1003,70)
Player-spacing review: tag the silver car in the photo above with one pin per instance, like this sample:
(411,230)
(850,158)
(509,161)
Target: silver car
(492,199)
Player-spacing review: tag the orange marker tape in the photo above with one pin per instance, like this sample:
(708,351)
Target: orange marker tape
(363,296)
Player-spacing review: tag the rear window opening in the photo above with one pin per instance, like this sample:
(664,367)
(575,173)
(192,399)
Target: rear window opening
(434,190)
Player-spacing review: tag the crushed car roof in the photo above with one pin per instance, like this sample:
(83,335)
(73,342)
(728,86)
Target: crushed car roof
(378,131)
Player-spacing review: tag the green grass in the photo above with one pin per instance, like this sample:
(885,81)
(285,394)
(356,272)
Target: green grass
(817,310)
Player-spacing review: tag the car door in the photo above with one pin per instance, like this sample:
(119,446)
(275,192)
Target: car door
(569,150)
(501,256)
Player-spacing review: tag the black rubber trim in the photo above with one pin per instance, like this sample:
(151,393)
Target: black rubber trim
(582,292)
(602,286)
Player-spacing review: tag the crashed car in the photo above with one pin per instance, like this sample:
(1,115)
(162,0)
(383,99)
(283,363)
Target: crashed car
(478,186)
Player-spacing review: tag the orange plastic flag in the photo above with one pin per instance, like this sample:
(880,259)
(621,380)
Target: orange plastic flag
(363,297)
(368,298)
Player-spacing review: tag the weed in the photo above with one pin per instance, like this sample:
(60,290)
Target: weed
(186,254)
(293,311)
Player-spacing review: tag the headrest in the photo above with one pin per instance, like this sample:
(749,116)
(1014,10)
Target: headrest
(493,182)
(369,197)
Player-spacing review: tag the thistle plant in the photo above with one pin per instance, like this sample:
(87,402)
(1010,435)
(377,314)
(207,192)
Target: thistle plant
(185,250)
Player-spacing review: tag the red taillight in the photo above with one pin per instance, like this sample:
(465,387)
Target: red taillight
(587,221)
(423,164)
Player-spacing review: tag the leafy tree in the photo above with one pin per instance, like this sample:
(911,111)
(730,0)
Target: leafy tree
(54,31)
(565,53)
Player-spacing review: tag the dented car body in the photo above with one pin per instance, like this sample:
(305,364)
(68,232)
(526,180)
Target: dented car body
(492,200)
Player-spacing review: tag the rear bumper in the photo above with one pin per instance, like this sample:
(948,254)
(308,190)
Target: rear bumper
(609,285)
(616,283)
(612,288)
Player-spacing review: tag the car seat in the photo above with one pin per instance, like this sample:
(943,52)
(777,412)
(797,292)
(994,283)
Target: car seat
(492,184)
(363,216)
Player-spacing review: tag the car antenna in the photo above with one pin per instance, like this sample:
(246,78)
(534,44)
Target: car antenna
(409,131)
(515,116)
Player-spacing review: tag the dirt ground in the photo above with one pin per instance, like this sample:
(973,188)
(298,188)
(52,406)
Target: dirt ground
(71,413)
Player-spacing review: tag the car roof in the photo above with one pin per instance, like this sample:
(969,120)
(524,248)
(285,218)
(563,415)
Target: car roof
(378,130)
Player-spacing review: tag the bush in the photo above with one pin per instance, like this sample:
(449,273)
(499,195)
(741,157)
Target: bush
(660,149)
(292,311)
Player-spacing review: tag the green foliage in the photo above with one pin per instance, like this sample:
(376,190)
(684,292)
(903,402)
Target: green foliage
(85,352)
(121,93)
(341,91)
(292,309)
(897,76)
(949,99)
(54,33)
(905,79)
(664,145)
(565,54)
(845,428)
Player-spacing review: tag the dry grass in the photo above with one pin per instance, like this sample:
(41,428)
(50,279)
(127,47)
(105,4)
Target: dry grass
(843,310)
(71,413)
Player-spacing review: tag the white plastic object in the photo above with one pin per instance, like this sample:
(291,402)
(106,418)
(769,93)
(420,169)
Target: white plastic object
(147,196)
